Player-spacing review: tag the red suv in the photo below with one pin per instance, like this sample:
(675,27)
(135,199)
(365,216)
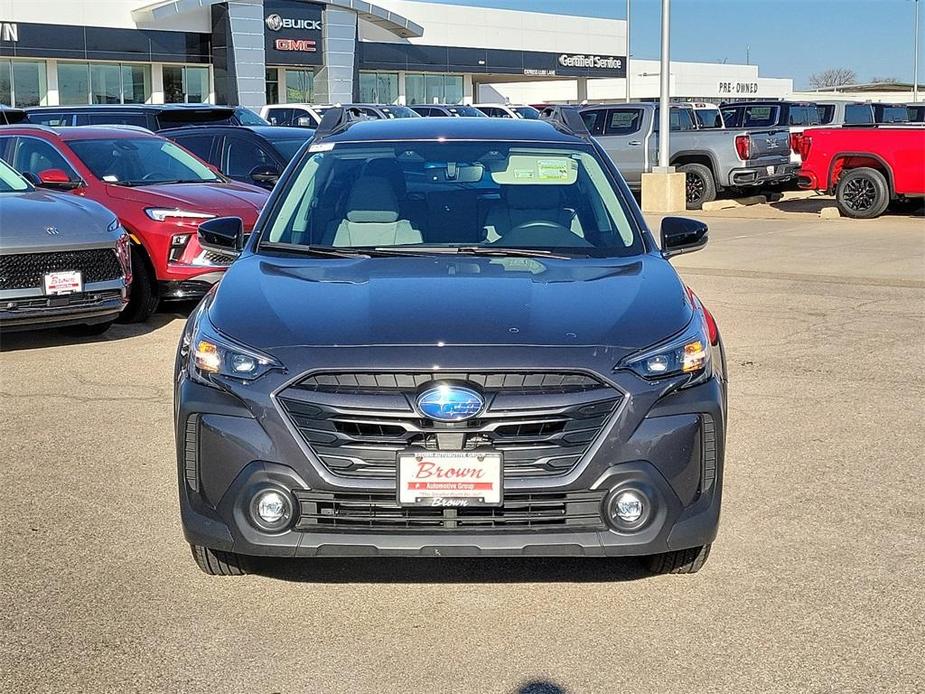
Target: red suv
(159,191)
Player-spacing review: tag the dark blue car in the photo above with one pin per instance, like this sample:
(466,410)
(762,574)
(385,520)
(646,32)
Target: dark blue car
(451,337)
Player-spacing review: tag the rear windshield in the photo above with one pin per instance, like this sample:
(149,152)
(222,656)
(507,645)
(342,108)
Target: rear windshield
(759,116)
(141,162)
(804,115)
(398,112)
(10,181)
(427,194)
(708,118)
(892,114)
(247,117)
(858,114)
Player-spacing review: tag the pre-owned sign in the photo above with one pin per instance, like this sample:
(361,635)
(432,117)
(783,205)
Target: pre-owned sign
(292,32)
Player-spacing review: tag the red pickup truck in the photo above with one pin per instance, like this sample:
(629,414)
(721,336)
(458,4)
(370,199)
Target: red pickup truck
(866,167)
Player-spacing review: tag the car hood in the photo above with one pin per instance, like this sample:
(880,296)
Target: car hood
(223,199)
(38,220)
(621,303)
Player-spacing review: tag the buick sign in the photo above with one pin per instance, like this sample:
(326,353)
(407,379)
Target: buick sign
(449,403)
(276,23)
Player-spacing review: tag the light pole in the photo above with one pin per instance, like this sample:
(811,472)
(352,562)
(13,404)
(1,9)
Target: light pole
(628,50)
(915,68)
(663,114)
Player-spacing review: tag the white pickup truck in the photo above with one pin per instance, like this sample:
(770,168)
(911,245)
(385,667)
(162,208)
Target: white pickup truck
(712,159)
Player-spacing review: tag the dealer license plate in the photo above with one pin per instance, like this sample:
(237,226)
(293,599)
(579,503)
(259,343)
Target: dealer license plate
(449,478)
(69,282)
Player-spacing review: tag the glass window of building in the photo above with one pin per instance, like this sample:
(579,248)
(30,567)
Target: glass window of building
(103,83)
(433,88)
(23,83)
(272,80)
(185,84)
(378,87)
(73,83)
(300,86)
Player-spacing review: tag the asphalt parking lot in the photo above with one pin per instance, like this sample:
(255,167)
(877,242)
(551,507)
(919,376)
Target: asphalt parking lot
(816,582)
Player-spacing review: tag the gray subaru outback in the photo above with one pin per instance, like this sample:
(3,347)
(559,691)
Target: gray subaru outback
(451,337)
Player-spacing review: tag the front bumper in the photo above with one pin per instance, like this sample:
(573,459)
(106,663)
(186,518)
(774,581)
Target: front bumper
(759,175)
(195,287)
(98,303)
(670,446)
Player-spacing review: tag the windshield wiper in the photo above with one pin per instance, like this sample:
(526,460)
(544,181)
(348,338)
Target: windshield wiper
(499,251)
(316,250)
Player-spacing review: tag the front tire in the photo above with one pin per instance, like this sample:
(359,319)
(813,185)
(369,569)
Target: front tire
(862,193)
(699,186)
(682,561)
(142,297)
(217,563)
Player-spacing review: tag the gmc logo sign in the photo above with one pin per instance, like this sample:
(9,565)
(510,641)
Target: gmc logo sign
(296,45)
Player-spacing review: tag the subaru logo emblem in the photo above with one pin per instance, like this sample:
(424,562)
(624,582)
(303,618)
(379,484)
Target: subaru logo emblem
(51,230)
(449,403)
(274,22)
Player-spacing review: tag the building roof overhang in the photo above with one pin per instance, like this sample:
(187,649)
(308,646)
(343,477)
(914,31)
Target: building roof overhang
(381,17)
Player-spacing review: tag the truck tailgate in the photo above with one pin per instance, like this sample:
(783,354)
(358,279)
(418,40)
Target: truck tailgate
(769,143)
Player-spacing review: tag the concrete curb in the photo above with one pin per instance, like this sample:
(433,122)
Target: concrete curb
(829,213)
(714,205)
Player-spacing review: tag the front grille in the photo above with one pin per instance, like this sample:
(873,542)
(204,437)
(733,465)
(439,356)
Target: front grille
(357,423)
(83,300)
(351,512)
(27,270)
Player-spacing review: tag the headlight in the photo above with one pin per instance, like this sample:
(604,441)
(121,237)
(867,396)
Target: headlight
(162,214)
(688,353)
(214,354)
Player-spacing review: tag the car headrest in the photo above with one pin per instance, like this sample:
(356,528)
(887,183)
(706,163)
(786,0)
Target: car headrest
(532,197)
(372,200)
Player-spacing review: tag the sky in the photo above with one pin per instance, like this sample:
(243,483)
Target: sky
(785,38)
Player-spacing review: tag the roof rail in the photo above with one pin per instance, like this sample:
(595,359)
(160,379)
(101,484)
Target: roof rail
(565,118)
(338,119)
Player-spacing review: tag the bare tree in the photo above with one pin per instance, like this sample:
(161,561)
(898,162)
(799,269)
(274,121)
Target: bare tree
(834,77)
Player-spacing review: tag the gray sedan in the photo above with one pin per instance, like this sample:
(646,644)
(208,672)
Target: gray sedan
(64,261)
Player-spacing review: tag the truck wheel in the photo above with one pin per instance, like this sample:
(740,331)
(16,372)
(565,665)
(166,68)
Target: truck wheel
(862,193)
(682,561)
(699,185)
(142,293)
(217,563)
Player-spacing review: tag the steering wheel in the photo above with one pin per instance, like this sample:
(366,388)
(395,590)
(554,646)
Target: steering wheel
(541,232)
(156,175)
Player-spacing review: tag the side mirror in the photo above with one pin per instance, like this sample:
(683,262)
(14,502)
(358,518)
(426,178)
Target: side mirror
(682,235)
(56,179)
(265,175)
(223,235)
(305,122)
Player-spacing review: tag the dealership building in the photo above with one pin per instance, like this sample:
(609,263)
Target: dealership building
(253,52)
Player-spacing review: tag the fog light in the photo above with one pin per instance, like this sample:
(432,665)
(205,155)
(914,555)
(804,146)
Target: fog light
(271,509)
(627,507)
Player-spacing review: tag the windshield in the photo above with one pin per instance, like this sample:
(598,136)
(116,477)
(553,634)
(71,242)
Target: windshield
(248,117)
(398,112)
(288,147)
(10,181)
(440,197)
(527,112)
(141,161)
(465,112)
(759,117)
